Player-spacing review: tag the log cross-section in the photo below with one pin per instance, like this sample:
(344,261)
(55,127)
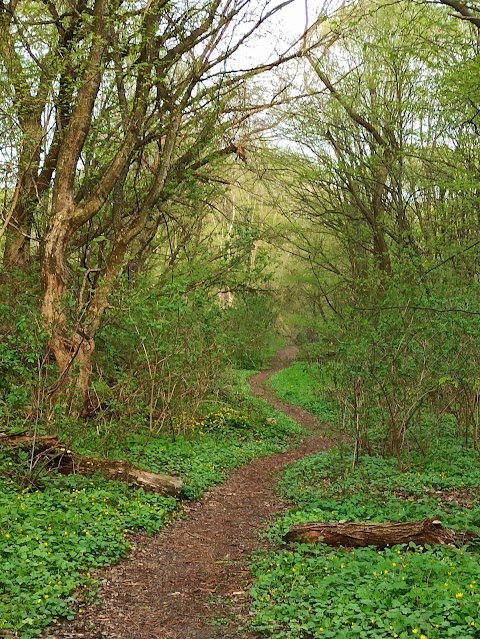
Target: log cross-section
(381,535)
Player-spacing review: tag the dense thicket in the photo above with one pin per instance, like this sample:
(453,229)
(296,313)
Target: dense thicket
(138,203)
(127,264)
(380,188)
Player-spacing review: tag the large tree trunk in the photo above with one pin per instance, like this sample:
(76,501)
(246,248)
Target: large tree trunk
(54,277)
(383,535)
(66,216)
(80,347)
(17,236)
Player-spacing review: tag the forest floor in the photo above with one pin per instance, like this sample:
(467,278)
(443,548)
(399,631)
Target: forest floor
(191,580)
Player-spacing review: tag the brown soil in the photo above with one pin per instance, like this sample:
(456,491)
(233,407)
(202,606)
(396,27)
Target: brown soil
(175,584)
(259,386)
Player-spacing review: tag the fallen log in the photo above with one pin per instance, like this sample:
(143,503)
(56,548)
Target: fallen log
(55,455)
(119,470)
(40,444)
(383,535)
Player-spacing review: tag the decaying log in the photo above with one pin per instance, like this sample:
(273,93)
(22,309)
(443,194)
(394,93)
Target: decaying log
(121,471)
(56,455)
(383,535)
(40,444)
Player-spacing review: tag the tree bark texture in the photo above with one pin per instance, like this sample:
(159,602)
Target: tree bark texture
(382,535)
(17,237)
(56,455)
(120,470)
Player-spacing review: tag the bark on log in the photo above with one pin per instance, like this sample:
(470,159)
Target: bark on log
(40,444)
(50,449)
(120,471)
(383,535)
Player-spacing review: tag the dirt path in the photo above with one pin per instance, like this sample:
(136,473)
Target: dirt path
(258,383)
(174,584)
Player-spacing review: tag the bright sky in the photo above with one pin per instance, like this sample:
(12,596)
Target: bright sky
(283,29)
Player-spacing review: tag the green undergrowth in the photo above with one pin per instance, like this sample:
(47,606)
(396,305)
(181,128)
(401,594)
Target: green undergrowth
(224,440)
(305,591)
(55,530)
(300,384)
(54,534)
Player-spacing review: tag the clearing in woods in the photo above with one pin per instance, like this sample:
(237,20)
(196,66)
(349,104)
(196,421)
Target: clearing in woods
(173,585)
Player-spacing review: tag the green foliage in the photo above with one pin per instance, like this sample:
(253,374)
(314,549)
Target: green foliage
(223,440)
(405,356)
(249,333)
(54,531)
(325,488)
(407,591)
(402,592)
(160,356)
(22,345)
(168,352)
(385,215)
(301,384)
(50,538)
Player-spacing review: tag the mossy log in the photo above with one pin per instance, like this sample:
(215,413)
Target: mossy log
(56,455)
(382,535)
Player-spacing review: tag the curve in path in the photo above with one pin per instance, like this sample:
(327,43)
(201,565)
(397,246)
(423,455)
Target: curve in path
(260,388)
(172,585)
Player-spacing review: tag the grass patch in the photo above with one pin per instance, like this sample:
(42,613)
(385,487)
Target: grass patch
(404,592)
(301,384)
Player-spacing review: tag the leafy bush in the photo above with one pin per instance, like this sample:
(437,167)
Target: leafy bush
(406,354)
(249,330)
(22,350)
(165,353)
(160,356)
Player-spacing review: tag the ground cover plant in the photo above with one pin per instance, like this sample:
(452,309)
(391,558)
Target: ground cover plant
(300,384)
(404,592)
(225,439)
(53,535)
(55,530)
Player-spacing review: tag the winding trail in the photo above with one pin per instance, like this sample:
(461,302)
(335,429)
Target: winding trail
(173,585)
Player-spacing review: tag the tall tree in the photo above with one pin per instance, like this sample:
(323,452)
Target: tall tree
(119,106)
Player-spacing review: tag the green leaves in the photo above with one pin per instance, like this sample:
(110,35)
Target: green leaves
(224,439)
(51,538)
(300,384)
(402,592)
